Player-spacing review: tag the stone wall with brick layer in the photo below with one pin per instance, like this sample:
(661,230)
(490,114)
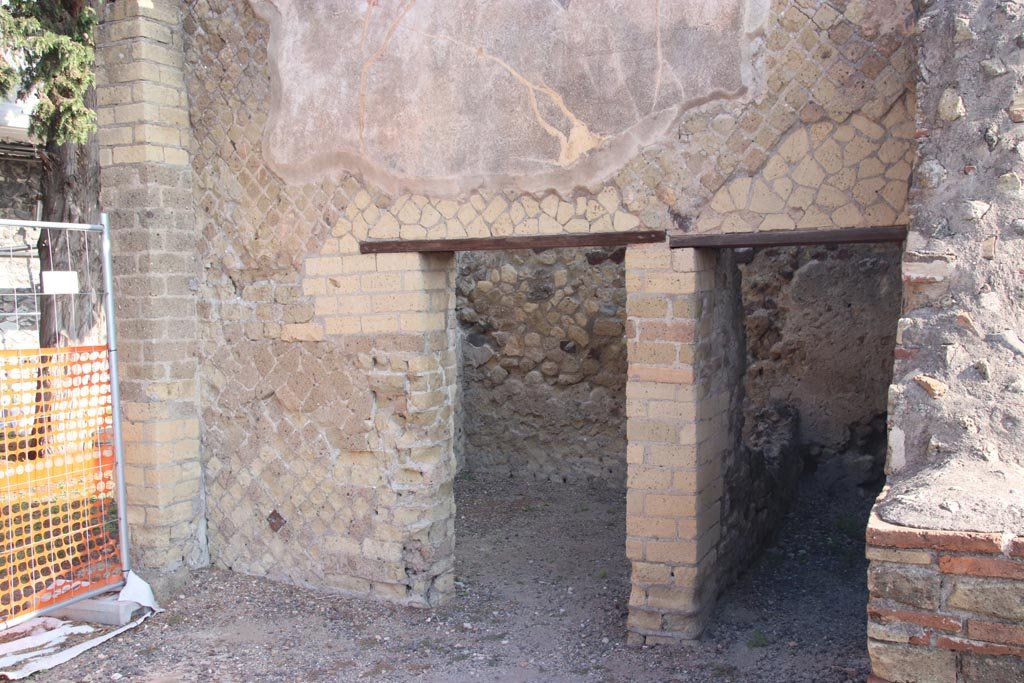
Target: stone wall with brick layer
(944,605)
(946,541)
(543,358)
(328,377)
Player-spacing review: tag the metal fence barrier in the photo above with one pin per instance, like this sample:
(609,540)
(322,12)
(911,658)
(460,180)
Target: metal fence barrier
(62,492)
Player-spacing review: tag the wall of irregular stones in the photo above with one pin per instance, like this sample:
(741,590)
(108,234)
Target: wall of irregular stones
(544,363)
(19,191)
(957,397)
(820,324)
(543,357)
(947,580)
(19,187)
(807,334)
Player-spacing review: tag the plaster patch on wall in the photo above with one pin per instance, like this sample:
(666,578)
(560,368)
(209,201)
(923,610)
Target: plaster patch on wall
(444,97)
(897,450)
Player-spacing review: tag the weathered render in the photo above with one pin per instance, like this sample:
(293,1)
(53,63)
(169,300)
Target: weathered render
(304,411)
(445,97)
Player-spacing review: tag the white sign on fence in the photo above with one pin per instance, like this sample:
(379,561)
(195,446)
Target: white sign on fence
(60,282)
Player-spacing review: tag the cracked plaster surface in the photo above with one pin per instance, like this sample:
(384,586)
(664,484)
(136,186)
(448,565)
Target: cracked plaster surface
(445,97)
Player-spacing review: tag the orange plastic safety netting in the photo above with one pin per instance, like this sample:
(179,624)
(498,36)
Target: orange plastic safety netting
(58,506)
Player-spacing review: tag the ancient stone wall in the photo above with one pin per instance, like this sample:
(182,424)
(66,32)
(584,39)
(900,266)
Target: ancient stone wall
(320,364)
(19,277)
(544,363)
(821,328)
(19,187)
(945,605)
(820,324)
(830,147)
(328,377)
(957,399)
(325,378)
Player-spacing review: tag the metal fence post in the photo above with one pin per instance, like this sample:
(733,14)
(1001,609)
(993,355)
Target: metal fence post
(115,395)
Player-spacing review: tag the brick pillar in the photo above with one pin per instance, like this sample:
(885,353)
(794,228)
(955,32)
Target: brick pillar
(414,394)
(403,305)
(147,190)
(676,439)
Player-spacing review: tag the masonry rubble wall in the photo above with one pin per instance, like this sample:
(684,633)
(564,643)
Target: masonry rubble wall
(544,363)
(944,605)
(19,187)
(956,399)
(819,329)
(953,511)
(19,192)
(324,379)
(820,326)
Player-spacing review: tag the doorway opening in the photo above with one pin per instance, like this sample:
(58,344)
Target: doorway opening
(541,438)
(819,327)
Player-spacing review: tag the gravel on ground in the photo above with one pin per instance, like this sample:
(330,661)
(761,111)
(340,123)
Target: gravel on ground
(542,593)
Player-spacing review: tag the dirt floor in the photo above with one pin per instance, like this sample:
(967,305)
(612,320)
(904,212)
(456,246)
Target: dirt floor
(542,592)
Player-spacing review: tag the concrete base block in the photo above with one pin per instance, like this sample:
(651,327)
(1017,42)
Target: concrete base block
(106,610)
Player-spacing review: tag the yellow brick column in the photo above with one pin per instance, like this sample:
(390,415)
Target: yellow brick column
(147,189)
(414,381)
(674,432)
(402,308)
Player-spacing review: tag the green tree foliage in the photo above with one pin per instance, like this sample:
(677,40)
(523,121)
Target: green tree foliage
(49,50)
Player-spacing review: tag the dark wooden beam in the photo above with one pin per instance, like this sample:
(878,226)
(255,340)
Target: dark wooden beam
(601,239)
(790,238)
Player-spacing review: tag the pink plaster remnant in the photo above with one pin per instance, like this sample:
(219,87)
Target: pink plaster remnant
(444,96)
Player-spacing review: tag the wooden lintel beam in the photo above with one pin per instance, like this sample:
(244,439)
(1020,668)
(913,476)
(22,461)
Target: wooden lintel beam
(601,239)
(790,238)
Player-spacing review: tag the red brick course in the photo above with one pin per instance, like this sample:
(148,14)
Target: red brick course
(982,566)
(962,645)
(887,535)
(924,619)
(1007,634)
(983,557)
(923,639)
